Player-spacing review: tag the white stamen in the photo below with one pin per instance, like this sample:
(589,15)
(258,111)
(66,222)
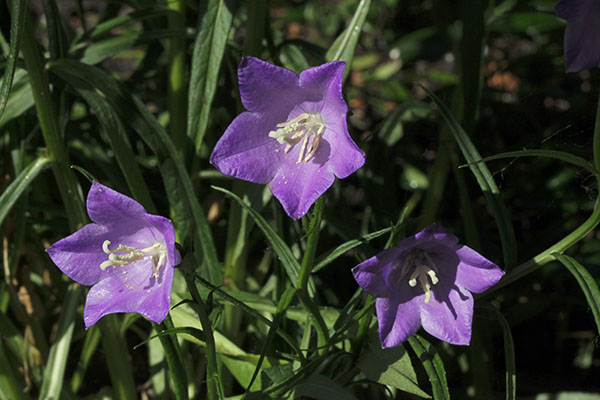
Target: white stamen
(157,254)
(423,270)
(301,128)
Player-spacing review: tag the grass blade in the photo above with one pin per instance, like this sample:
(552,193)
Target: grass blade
(343,47)
(17,22)
(586,282)
(333,254)
(18,186)
(290,264)
(555,154)
(209,48)
(484,179)
(433,366)
(55,367)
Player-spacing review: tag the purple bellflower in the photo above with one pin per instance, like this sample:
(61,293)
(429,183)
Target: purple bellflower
(126,254)
(426,280)
(294,134)
(582,36)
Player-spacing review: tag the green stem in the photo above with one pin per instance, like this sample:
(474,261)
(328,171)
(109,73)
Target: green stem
(176,95)
(213,381)
(305,269)
(584,229)
(174,362)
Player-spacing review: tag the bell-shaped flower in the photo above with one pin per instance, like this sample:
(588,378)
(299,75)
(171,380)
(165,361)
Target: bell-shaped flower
(294,134)
(427,280)
(126,255)
(582,36)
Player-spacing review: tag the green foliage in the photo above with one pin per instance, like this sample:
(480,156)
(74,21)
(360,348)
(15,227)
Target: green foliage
(136,94)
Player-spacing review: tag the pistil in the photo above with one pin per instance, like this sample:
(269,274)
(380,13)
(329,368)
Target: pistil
(131,255)
(301,128)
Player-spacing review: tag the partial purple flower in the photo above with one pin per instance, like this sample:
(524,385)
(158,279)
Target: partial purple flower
(294,134)
(582,36)
(426,280)
(126,254)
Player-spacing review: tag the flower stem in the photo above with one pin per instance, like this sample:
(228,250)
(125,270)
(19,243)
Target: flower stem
(307,265)
(588,226)
(176,84)
(214,388)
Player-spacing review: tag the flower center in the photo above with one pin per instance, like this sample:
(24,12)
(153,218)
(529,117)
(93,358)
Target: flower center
(302,128)
(423,271)
(129,255)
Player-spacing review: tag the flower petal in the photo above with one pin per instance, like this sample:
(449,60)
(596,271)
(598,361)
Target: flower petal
(164,226)
(397,321)
(109,207)
(582,38)
(449,318)
(437,233)
(567,9)
(371,274)
(79,255)
(298,186)
(325,81)
(110,296)
(246,151)
(475,272)
(262,85)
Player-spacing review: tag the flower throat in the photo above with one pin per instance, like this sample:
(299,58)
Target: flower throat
(423,270)
(301,129)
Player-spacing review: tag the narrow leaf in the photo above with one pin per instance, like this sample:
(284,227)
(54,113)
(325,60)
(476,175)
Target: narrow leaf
(586,282)
(343,47)
(17,22)
(333,254)
(484,179)
(18,186)
(433,366)
(209,48)
(290,264)
(558,155)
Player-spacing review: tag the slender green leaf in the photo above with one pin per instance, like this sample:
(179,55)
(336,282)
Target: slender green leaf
(290,264)
(333,254)
(586,282)
(20,98)
(282,306)
(343,47)
(251,311)
(18,10)
(90,344)
(17,187)
(55,367)
(209,48)
(433,366)
(174,360)
(509,351)
(195,332)
(10,387)
(484,179)
(114,131)
(555,154)
(57,40)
